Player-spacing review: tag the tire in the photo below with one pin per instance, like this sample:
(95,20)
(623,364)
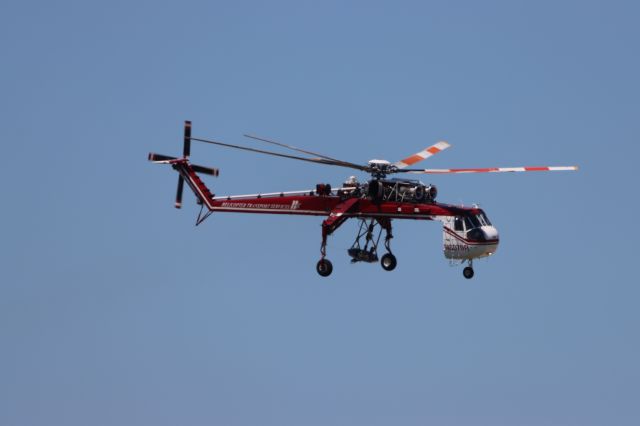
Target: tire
(468,272)
(388,262)
(324,267)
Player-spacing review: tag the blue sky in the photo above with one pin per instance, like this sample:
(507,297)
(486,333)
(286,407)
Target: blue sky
(116,310)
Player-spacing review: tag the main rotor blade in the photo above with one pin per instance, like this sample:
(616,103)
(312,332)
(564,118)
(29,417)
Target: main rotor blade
(422,155)
(490,170)
(296,149)
(293,157)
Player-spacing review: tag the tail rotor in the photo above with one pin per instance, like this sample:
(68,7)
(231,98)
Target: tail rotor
(186,152)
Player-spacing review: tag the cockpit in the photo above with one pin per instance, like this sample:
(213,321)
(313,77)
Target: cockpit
(475,226)
(467,223)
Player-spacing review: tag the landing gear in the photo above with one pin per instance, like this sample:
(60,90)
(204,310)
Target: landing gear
(388,262)
(468,272)
(324,267)
(365,246)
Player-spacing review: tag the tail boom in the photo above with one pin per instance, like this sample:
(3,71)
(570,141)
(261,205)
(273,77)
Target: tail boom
(200,190)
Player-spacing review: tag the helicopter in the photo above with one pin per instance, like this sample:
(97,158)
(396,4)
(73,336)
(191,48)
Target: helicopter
(468,234)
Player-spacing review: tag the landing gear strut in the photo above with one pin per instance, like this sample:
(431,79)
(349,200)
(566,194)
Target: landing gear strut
(365,246)
(324,267)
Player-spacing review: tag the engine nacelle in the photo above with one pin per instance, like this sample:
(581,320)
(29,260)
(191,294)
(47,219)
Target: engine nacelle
(432,192)
(400,190)
(323,189)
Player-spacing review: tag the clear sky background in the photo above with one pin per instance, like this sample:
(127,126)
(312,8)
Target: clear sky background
(116,310)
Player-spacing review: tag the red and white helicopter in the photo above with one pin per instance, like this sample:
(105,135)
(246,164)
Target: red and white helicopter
(467,232)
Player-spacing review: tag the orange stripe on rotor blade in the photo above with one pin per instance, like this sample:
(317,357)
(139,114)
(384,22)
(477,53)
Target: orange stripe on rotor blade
(412,160)
(536,169)
(433,150)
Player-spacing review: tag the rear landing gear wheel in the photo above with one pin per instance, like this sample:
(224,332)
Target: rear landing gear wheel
(388,262)
(324,267)
(468,272)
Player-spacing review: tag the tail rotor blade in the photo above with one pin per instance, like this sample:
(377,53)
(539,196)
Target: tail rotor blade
(211,171)
(159,157)
(187,139)
(179,192)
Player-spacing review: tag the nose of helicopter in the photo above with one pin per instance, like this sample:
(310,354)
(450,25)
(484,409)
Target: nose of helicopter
(483,234)
(490,233)
(486,241)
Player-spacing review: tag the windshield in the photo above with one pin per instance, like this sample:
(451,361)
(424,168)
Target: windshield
(476,221)
(484,219)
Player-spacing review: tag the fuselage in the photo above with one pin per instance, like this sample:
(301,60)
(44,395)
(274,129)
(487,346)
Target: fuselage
(467,231)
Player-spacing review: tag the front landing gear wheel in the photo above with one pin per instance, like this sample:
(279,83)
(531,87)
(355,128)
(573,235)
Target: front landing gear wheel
(468,272)
(388,262)
(324,267)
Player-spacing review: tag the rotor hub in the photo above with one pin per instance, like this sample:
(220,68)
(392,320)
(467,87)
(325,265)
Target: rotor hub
(381,168)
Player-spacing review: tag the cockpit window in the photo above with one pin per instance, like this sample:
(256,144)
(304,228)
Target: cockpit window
(468,223)
(474,220)
(471,222)
(485,219)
